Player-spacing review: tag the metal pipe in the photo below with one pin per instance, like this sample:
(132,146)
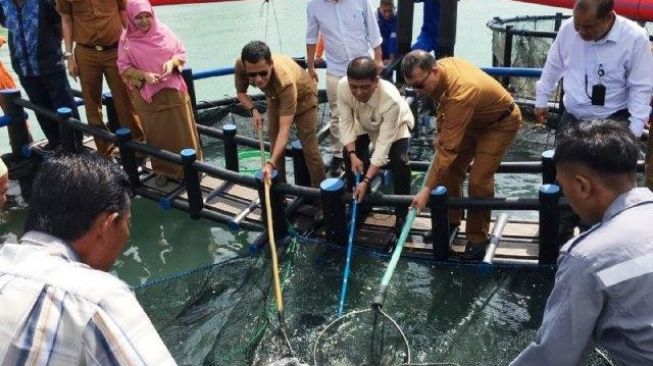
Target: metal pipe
(495,237)
(234,224)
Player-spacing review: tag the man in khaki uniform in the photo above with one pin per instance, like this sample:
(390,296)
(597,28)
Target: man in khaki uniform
(476,121)
(291,97)
(95,27)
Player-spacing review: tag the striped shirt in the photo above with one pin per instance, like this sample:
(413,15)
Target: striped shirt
(603,293)
(62,312)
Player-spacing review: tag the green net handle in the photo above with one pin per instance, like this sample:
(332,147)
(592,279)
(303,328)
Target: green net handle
(387,276)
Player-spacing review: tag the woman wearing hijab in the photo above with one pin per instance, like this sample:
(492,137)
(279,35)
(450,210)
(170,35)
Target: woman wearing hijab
(150,58)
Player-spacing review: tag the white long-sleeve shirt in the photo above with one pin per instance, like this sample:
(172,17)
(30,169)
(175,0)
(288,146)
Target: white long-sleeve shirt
(385,117)
(349,29)
(624,55)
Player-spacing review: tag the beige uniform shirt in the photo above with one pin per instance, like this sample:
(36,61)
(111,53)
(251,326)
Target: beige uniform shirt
(385,117)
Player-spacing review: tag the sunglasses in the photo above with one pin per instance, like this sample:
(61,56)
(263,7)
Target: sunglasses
(420,85)
(260,73)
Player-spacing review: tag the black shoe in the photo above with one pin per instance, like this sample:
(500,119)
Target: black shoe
(318,216)
(399,225)
(475,251)
(453,231)
(335,166)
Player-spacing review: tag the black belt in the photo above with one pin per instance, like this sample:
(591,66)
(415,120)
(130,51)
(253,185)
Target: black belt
(100,48)
(507,112)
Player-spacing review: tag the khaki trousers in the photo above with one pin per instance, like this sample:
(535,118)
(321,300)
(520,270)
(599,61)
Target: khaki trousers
(92,66)
(648,175)
(306,123)
(332,97)
(485,147)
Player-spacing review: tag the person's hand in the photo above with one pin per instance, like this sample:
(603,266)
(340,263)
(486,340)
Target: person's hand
(267,172)
(257,119)
(313,73)
(73,70)
(152,78)
(420,199)
(359,192)
(356,164)
(379,66)
(169,67)
(541,115)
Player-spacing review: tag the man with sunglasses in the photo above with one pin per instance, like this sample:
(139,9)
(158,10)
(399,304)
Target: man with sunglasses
(477,121)
(291,97)
(606,63)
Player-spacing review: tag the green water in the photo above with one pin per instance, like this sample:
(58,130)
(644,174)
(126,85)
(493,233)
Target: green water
(450,314)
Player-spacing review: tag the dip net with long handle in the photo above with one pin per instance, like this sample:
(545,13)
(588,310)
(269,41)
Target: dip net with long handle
(369,337)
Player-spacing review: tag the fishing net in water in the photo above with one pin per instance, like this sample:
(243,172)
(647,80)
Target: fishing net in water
(224,314)
(363,337)
(219,314)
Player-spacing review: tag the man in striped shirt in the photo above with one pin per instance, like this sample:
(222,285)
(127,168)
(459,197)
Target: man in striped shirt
(60,306)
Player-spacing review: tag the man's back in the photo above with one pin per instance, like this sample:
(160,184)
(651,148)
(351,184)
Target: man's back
(604,290)
(63,312)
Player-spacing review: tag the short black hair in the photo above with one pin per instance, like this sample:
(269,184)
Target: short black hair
(362,68)
(70,191)
(256,51)
(604,145)
(417,58)
(603,7)
(387,3)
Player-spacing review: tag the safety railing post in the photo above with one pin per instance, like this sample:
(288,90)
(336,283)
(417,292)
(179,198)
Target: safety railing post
(439,222)
(230,147)
(549,195)
(333,206)
(112,116)
(302,178)
(548,169)
(67,133)
(127,156)
(192,183)
(19,136)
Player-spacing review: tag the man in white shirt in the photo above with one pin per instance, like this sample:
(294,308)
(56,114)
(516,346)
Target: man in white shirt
(4,183)
(60,306)
(349,30)
(607,66)
(372,110)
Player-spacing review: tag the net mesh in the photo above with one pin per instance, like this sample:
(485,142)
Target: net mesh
(225,314)
(528,50)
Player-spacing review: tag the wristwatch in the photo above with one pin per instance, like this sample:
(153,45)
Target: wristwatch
(67,55)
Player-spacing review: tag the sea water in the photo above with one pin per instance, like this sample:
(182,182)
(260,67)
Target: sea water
(449,314)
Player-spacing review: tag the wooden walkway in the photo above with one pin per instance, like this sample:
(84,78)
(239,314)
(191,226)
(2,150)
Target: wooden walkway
(518,244)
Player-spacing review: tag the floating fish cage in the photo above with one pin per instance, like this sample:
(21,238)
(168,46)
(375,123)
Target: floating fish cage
(523,42)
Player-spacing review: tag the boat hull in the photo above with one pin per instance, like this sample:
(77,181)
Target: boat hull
(633,9)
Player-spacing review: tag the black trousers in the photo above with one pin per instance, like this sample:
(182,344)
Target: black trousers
(51,91)
(399,166)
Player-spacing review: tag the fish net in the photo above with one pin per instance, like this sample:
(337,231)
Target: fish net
(224,314)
